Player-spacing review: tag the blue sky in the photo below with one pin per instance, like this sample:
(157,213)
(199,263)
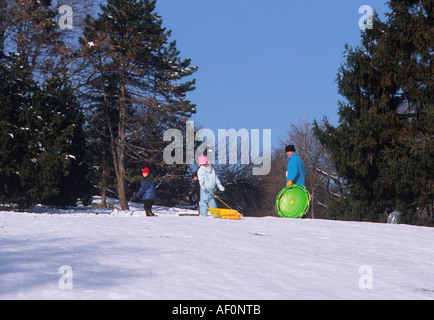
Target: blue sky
(264,64)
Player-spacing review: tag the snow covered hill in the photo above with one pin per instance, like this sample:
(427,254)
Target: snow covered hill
(94,253)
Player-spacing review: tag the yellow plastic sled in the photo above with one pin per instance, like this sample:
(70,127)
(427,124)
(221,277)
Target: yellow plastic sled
(225,213)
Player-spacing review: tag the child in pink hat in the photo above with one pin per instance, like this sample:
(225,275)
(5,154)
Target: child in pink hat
(203,160)
(208,182)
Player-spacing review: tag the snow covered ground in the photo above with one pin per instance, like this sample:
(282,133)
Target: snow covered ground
(95,253)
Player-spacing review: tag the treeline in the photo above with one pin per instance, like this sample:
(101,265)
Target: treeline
(383,147)
(379,159)
(83,110)
(86,107)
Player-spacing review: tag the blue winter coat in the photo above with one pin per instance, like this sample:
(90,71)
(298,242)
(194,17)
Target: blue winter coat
(296,170)
(147,190)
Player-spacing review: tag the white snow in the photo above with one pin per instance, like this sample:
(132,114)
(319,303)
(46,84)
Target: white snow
(96,253)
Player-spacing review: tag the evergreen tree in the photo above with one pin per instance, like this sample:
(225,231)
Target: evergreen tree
(413,159)
(383,146)
(15,113)
(59,173)
(128,43)
(42,142)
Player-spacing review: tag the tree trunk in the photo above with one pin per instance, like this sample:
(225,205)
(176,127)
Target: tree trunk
(103,185)
(121,144)
(104,197)
(121,179)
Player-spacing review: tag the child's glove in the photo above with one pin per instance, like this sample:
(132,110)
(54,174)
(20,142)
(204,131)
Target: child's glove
(221,188)
(289,183)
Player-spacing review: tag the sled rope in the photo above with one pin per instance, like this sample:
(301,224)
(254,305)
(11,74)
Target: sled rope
(219,199)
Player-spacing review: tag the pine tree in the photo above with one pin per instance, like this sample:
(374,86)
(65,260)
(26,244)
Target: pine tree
(128,43)
(59,171)
(383,146)
(42,141)
(9,150)
(15,113)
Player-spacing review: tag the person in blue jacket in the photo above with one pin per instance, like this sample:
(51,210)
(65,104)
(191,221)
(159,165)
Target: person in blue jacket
(147,192)
(296,172)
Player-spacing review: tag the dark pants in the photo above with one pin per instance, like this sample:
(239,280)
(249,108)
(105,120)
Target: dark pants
(147,205)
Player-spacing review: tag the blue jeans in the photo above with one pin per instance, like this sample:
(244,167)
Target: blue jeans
(206,201)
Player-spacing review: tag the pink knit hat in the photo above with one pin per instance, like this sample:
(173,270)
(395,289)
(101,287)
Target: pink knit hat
(203,160)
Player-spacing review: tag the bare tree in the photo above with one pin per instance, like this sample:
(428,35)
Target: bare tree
(243,190)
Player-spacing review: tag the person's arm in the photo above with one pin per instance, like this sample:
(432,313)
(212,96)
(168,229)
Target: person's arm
(142,190)
(291,172)
(201,178)
(219,184)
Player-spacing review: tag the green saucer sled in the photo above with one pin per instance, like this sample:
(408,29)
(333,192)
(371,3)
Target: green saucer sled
(292,202)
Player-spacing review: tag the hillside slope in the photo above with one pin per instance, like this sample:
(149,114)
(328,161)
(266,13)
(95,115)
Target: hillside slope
(92,253)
